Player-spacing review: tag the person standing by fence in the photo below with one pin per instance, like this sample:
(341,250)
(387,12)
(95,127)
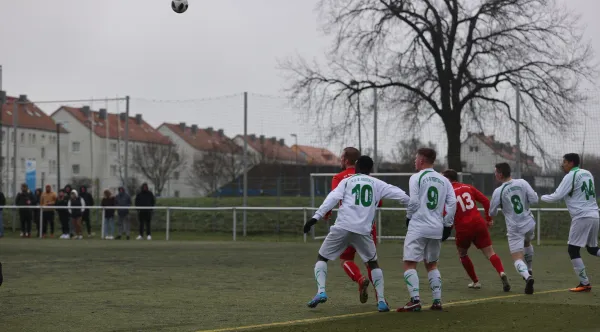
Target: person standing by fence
(145,198)
(63,214)
(2,203)
(109,214)
(36,212)
(89,201)
(25,198)
(48,199)
(76,210)
(123,199)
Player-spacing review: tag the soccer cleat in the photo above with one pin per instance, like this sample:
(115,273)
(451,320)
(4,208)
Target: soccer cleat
(382,306)
(529,285)
(475,285)
(139,237)
(319,298)
(437,305)
(410,307)
(149,237)
(363,285)
(505,284)
(581,288)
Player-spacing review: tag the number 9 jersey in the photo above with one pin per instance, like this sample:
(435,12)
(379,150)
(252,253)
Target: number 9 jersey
(514,198)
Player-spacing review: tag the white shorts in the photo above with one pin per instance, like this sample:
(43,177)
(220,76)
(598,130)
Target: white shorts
(339,239)
(516,241)
(417,249)
(584,232)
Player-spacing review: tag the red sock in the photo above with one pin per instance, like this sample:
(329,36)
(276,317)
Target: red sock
(497,263)
(468,265)
(352,271)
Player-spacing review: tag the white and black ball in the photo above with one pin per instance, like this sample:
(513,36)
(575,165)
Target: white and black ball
(179,6)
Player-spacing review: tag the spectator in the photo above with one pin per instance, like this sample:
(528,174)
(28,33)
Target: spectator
(145,198)
(25,198)
(89,201)
(109,214)
(2,203)
(48,199)
(36,212)
(63,214)
(123,199)
(68,189)
(76,210)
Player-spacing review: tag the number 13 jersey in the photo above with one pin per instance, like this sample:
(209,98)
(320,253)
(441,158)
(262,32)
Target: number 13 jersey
(467,213)
(359,195)
(514,198)
(430,193)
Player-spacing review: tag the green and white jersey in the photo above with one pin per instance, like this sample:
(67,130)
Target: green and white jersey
(577,188)
(514,198)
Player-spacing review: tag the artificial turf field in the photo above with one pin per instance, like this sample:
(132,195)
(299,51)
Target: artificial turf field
(93,285)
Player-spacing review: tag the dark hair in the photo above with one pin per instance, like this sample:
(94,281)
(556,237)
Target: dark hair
(572,158)
(61,191)
(451,175)
(504,169)
(364,165)
(351,154)
(428,154)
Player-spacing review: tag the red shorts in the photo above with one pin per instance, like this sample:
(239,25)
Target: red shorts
(350,252)
(478,234)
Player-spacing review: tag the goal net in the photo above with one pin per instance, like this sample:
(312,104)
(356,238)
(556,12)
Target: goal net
(390,218)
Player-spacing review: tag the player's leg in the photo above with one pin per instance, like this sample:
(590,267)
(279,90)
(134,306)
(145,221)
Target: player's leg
(463,242)
(331,248)
(483,242)
(432,255)
(413,253)
(1,276)
(368,253)
(353,271)
(592,242)
(516,244)
(579,237)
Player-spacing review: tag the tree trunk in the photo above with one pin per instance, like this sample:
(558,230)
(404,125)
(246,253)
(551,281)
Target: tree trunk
(453,130)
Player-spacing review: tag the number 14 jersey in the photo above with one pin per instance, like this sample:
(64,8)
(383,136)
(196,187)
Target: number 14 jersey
(514,198)
(359,195)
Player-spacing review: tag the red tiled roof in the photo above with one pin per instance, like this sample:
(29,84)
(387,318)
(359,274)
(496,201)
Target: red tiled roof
(318,156)
(29,116)
(505,150)
(204,139)
(272,149)
(142,132)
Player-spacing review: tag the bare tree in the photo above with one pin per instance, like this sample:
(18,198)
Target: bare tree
(406,150)
(219,165)
(157,162)
(450,58)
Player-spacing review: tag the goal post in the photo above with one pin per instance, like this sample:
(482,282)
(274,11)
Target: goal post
(390,219)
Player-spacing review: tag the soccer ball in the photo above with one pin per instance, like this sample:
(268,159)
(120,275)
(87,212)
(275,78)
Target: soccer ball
(179,6)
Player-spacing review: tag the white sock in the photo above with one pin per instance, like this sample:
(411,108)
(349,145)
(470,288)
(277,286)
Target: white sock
(320,275)
(435,282)
(411,278)
(522,268)
(529,257)
(377,276)
(580,271)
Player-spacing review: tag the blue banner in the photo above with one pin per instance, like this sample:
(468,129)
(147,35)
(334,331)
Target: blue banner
(30,173)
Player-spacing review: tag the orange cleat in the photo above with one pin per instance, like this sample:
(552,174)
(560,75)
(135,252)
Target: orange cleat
(581,288)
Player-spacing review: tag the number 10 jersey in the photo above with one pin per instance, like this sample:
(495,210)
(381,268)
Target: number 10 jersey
(514,198)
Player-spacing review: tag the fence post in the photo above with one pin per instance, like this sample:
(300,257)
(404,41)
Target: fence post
(379,233)
(304,211)
(168,223)
(41,221)
(234,223)
(539,225)
(244,224)
(103,213)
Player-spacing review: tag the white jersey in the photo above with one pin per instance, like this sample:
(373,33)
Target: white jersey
(360,194)
(430,193)
(514,199)
(578,191)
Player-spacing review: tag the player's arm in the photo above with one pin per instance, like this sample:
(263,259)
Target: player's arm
(331,200)
(484,201)
(532,196)
(334,184)
(494,203)
(389,191)
(413,203)
(561,192)
(450,205)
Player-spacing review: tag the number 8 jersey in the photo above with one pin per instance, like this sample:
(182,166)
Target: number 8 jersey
(359,194)
(514,198)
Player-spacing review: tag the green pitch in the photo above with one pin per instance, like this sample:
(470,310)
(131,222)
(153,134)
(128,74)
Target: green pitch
(91,285)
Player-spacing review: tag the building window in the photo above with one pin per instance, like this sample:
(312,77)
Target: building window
(113,170)
(43,152)
(176,175)
(113,147)
(75,146)
(22,137)
(12,137)
(176,193)
(76,169)
(43,138)
(23,162)
(3,134)
(12,161)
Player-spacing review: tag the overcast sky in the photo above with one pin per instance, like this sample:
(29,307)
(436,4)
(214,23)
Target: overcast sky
(70,49)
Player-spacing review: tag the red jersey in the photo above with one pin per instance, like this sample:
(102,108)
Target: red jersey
(466,209)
